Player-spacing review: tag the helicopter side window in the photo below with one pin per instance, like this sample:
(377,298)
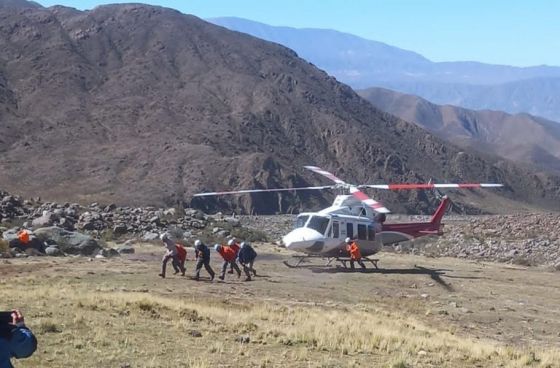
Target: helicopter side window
(350,230)
(371,232)
(318,223)
(300,221)
(362,232)
(334,229)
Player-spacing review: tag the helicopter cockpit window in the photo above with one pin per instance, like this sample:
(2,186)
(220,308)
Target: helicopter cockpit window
(301,220)
(318,223)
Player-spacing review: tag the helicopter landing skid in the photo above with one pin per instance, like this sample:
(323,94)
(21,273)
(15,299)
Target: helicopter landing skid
(306,258)
(330,260)
(345,260)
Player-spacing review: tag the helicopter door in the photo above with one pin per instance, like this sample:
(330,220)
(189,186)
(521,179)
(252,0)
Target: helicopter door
(371,232)
(350,230)
(362,232)
(334,229)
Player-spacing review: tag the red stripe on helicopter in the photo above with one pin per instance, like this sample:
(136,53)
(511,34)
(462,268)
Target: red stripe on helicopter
(379,207)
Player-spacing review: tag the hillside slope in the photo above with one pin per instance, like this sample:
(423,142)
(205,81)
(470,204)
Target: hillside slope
(136,104)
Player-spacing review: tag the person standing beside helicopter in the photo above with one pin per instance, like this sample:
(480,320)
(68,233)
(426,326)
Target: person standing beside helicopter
(355,254)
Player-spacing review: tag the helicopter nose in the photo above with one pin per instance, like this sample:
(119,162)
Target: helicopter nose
(301,238)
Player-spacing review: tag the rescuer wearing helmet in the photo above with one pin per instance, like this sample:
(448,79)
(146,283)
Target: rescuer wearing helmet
(246,258)
(229,255)
(232,243)
(172,254)
(202,259)
(354,252)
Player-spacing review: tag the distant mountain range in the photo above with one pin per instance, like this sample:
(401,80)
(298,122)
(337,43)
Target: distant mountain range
(521,137)
(364,63)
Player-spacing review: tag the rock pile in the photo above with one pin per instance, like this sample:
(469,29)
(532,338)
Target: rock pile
(70,228)
(524,239)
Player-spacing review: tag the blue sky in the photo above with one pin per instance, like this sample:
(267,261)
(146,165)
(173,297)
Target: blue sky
(512,32)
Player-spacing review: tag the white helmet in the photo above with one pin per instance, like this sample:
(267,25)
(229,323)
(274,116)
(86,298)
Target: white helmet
(164,236)
(243,244)
(217,247)
(347,240)
(197,243)
(230,242)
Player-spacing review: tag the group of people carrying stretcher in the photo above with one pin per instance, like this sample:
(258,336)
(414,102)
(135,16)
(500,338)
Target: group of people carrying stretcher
(231,253)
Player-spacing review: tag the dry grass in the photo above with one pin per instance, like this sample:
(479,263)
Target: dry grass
(117,313)
(82,327)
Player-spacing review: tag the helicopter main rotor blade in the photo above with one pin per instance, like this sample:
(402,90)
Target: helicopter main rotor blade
(430,186)
(263,190)
(376,206)
(327,174)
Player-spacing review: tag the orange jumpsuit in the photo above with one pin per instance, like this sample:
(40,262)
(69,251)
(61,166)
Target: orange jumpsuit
(355,254)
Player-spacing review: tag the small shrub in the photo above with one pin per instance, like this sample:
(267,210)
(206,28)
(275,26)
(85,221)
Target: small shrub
(4,246)
(190,314)
(49,327)
(522,261)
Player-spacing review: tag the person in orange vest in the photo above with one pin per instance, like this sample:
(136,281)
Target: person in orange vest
(182,257)
(23,236)
(22,241)
(25,240)
(354,252)
(229,255)
(232,243)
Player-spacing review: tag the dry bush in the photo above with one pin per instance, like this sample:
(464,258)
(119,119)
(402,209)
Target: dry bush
(4,246)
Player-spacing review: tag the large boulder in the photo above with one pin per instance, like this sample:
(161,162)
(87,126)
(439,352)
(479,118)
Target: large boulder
(53,251)
(10,234)
(150,236)
(47,219)
(70,242)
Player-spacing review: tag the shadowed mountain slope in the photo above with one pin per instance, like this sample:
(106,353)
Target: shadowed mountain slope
(136,104)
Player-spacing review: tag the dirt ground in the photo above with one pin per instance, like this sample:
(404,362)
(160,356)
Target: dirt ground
(511,308)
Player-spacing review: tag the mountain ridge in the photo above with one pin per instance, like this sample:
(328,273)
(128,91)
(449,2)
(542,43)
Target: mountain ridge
(364,63)
(110,105)
(522,137)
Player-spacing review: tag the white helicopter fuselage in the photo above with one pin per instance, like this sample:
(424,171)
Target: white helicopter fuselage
(323,233)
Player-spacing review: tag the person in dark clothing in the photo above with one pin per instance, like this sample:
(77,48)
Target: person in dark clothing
(246,258)
(16,340)
(202,259)
(229,255)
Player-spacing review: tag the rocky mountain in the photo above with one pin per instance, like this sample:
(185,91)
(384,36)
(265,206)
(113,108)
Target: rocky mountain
(141,105)
(521,137)
(365,63)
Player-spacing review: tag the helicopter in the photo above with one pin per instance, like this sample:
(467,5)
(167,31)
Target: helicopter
(355,216)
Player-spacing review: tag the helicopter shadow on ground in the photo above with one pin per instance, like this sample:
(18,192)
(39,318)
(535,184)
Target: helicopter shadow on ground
(435,274)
